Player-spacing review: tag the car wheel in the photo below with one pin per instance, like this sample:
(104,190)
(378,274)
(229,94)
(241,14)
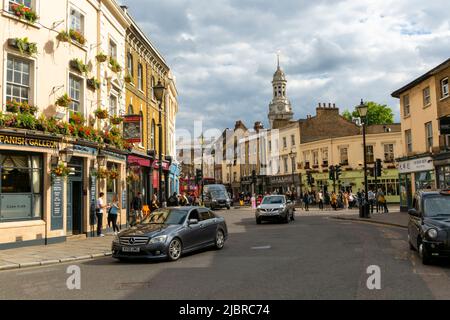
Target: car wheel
(174,251)
(424,255)
(258,221)
(220,239)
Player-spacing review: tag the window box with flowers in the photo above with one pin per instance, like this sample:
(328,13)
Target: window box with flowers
(23,12)
(12,106)
(78,65)
(76,118)
(101,57)
(101,113)
(116,120)
(23,45)
(63,36)
(26,108)
(114,65)
(93,84)
(64,101)
(77,36)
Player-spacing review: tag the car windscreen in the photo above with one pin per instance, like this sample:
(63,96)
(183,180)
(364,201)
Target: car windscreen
(166,216)
(273,200)
(437,206)
(219,194)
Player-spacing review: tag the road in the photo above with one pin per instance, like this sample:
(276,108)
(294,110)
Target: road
(314,257)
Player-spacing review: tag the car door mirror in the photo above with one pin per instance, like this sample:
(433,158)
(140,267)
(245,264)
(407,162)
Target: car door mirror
(193,222)
(413,212)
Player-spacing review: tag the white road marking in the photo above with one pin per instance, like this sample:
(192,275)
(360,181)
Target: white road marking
(261,248)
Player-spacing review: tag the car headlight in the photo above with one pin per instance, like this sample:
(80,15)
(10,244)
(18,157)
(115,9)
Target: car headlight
(432,233)
(214,200)
(160,239)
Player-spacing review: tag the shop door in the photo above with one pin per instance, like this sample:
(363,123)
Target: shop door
(75,198)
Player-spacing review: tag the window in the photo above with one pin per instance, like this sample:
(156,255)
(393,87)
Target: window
(142,129)
(152,135)
(293,140)
(270,146)
(389,153)
(140,77)
(75,93)
(444,88)
(408,139)
(26,3)
(406,109)
(18,79)
(429,135)
(426,96)
(315,158)
(325,156)
(285,161)
(153,85)
(130,109)
(112,49)
(344,156)
(130,64)
(76,21)
(20,186)
(369,154)
(284,143)
(112,105)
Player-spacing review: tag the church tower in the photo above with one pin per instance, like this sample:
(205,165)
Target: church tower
(280,109)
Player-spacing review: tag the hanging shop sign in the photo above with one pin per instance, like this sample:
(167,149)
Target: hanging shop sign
(132,128)
(29,142)
(416,165)
(165,165)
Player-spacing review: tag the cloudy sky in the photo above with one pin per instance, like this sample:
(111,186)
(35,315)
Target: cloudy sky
(223,52)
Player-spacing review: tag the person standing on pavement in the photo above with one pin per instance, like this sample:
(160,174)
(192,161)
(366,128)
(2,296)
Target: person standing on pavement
(173,200)
(382,201)
(113,212)
(306,200)
(320,197)
(334,202)
(136,206)
(155,204)
(99,214)
(371,196)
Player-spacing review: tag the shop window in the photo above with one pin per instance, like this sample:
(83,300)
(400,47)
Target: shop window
(424,180)
(20,187)
(18,79)
(111,185)
(76,93)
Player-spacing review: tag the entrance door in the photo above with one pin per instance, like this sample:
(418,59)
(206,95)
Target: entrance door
(75,198)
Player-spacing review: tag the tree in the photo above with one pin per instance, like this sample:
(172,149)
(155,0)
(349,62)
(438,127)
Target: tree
(376,114)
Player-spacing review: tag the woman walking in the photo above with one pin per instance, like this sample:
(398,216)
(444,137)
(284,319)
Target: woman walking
(113,213)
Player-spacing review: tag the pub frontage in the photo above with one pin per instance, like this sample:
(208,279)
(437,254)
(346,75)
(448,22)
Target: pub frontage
(49,185)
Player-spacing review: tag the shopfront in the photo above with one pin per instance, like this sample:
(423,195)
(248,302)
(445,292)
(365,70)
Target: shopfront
(164,178)
(140,177)
(174,175)
(414,174)
(442,165)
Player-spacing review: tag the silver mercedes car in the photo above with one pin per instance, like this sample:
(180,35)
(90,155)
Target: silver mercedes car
(168,233)
(275,208)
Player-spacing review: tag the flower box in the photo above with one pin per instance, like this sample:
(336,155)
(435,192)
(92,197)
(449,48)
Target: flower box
(23,45)
(78,65)
(116,120)
(76,118)
(114,65)
(63,36)
(93,84)
(77,36)
(23,12)
(12,106)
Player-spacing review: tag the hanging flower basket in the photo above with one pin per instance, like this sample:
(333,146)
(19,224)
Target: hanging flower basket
(116,120)
(102,173)
(101,113)
(101,57)
(63,36)
(64,101)
(128,78)
(132,177)
(114,65)
(93,84)
(61,170)
(113,174)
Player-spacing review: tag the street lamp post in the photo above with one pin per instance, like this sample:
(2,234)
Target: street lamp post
(292,156)
(362,111)
(202,143)
(159,94)
(213,153)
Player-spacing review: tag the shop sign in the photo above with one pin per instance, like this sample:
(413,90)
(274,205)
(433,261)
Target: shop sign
(57,203)
(113,155)
(15,205)
(416,165)
(29,142)
(132,128)
(281,180)
(139,161)
(165,165)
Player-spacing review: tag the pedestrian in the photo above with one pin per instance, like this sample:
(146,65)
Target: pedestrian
(155,204)
(346,200)
(320,196)
(136,206)
(113,213)
(382,201)
(372,200)
(334,201)
(99,214)
(173,200)
(306,200)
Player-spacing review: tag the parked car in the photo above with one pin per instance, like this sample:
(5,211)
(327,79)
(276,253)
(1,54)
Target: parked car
(275,208)
(216,196)
(429,225)
(168,233)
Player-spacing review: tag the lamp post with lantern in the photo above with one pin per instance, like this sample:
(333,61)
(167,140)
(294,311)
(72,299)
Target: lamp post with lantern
(159,95)
(362,111)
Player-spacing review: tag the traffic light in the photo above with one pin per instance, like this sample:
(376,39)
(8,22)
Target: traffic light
(331,174)
(254,176)
(338,171)
(378,168)
(198,176)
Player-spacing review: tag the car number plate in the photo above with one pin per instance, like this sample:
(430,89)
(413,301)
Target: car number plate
(131,249)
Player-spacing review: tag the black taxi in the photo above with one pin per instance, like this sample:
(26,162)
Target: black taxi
(429,225)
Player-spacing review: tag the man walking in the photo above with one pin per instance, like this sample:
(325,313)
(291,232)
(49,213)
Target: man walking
(320,196)
(371,196)
(99,214)
(173,200)
(136,206)
(306,200)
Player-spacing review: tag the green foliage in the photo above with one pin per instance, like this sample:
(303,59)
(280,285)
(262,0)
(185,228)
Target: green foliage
(79,65)
(376,114)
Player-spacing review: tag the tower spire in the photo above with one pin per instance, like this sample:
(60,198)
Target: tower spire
(278,59)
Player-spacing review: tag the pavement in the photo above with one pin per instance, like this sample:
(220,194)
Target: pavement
(313,257)
(92,248)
